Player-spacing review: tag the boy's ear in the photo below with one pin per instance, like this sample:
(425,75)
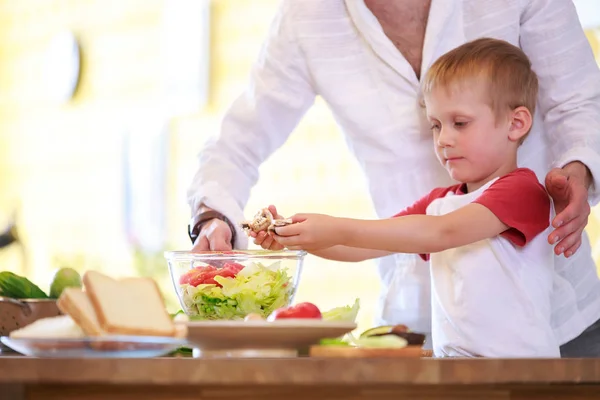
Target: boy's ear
(520,123)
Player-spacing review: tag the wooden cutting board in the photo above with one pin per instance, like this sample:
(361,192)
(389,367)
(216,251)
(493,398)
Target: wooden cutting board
(348,352)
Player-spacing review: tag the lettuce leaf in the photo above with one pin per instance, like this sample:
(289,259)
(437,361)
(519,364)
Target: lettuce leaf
(255,289)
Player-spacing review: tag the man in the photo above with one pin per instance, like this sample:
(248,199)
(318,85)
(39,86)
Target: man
(365,58)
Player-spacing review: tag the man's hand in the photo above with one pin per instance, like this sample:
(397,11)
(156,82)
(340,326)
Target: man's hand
(311,232)
(568,187)
(215,235)
(266,239)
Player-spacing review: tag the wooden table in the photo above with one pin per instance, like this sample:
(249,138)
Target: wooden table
(298,378)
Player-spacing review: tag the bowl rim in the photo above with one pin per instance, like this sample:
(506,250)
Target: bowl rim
(235,255)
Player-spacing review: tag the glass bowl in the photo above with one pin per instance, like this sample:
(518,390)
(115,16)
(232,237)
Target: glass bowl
(229,285)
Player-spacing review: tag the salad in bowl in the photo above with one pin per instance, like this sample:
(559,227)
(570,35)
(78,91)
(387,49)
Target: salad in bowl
(234,284)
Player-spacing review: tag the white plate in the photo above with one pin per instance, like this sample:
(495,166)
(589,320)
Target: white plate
(253,338)
(96,347)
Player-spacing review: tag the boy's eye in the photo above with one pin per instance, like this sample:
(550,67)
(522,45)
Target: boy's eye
(460,124)
(435,127)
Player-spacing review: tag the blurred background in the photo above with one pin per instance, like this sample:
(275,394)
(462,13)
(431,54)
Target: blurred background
(104,105)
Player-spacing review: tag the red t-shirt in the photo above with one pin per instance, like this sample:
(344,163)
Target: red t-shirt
(517,199)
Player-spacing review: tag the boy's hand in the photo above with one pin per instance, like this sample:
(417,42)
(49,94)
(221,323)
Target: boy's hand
(568,188)
(265,239)
(311,232)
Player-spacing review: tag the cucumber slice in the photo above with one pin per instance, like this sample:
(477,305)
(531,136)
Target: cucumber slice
(402,331)
(377,331)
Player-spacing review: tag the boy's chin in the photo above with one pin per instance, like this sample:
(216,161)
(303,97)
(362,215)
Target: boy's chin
(460,176)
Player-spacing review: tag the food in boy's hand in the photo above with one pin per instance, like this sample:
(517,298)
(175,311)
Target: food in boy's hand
(413,338)
(263,221)
(280,222)
(301,310)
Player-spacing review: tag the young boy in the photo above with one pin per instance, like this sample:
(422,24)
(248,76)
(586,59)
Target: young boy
(492,270)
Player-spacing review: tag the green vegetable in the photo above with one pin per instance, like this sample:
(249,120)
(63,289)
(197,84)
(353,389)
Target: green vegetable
(343,314)
(19,287)
(255,289)
(385,341)
(334,342)
(183,351)
(382,342)
(64,278)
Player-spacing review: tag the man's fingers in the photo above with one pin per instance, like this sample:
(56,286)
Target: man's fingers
(565,230)
(556,179)
(569,252)
(567,242)
(201,244)
(218,243)
(566,216)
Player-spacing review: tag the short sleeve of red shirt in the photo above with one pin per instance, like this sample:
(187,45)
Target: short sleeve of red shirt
(420,206)
(521,203)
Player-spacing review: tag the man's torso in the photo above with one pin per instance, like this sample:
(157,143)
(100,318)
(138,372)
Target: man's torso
(404,24)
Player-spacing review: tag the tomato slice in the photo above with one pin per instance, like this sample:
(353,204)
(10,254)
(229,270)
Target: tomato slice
(234,267)
(194,275)
(206,275)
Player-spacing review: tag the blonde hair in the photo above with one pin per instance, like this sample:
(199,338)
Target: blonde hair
(505,69)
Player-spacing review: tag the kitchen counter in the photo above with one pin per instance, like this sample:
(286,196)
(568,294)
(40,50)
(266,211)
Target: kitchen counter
(297,378)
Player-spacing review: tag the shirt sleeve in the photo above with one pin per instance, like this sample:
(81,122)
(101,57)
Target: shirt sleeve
(259,121)
(420,206)
(521,203)
(569,81)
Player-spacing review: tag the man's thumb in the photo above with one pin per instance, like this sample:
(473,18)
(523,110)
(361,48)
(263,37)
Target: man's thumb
(556,182)
(218,243)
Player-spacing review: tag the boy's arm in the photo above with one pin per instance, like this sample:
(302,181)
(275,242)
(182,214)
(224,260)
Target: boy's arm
(356,254)
(424,234)
(349,254)
(515,207)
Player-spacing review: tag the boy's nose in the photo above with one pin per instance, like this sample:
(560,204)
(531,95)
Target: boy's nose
(445,138)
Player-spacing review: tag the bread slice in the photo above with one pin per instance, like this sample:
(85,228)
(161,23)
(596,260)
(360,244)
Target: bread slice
(59,327)
(76,303)
(131,306)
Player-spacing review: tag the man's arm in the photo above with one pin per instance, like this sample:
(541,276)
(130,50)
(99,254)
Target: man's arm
(257,123)
(569,96)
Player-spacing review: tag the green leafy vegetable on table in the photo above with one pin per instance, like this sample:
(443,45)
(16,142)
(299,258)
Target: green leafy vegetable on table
(19,287)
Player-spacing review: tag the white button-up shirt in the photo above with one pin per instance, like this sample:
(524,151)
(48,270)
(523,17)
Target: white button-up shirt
(337,49)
